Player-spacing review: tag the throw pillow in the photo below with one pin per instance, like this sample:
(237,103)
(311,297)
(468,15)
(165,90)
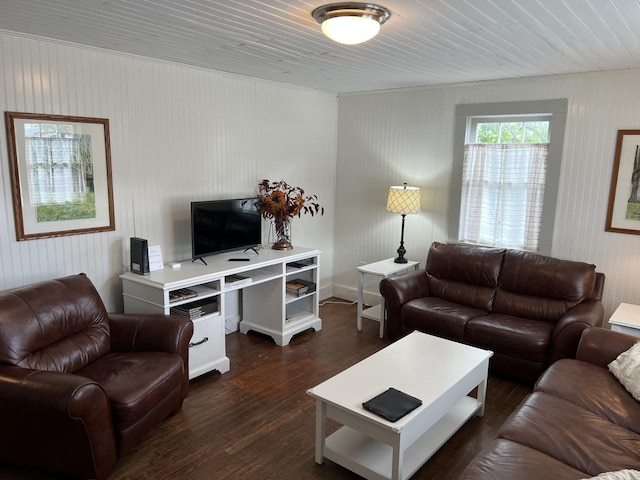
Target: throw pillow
(626,368)
(619,475)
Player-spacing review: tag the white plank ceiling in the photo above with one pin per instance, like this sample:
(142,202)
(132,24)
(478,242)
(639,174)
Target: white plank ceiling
(425,42)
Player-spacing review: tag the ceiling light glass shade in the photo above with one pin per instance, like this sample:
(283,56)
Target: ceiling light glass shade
(350,30)
(403,200)
(351,23)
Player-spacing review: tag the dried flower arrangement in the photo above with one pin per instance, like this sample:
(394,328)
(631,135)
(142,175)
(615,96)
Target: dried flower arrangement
(280,202)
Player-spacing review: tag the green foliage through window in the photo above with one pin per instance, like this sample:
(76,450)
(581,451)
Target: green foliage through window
(81,208)
(512,132)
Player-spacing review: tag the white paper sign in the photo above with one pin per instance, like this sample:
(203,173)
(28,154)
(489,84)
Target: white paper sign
(155,258)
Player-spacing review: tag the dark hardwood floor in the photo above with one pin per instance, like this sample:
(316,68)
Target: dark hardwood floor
(257,422)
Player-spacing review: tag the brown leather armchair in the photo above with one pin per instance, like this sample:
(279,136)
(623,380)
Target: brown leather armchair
(80,387)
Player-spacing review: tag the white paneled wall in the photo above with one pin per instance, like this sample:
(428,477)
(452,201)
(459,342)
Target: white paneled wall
(180,134)
(390,137)
(177,134)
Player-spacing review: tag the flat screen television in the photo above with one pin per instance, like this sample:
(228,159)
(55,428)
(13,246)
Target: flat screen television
(224,225)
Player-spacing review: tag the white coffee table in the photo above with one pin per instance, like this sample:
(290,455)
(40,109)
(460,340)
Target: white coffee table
(440,372)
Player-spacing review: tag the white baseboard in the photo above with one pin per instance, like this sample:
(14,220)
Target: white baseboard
(350,293)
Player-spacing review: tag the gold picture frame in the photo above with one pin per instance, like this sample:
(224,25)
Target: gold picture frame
(60,169)
(623,212)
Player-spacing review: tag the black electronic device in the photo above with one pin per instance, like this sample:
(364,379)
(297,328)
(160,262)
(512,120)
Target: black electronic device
(392,404)
(239,259)
(225,225)
(139,256)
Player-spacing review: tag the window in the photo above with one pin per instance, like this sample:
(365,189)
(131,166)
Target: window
(503,177)
(506,169)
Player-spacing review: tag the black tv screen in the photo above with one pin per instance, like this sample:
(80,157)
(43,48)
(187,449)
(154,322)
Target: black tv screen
(225,225)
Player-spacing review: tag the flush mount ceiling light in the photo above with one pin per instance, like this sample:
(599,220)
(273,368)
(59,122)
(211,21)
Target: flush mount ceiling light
(351,22)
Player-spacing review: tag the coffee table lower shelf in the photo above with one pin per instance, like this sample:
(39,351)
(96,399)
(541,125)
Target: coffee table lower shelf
(373,459)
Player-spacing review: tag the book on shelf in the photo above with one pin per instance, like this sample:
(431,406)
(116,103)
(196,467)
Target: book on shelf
(236,280)
(302,263)
(196,309)
(300,287)
(181,294)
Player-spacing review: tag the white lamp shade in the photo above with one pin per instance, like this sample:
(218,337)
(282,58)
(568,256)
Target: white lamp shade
(403,200)
(350,30)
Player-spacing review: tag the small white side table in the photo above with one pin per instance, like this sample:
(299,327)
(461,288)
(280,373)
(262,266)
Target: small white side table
(384,269)
(626,319)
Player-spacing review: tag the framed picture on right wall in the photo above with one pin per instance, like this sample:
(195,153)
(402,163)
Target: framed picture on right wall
(623,213)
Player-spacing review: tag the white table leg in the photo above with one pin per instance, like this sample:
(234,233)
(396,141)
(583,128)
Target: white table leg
(482,393)
(360,301)
(321,416)
(397,460)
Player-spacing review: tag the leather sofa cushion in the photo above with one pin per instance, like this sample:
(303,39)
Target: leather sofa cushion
(464,274)
(506,460)
(135,382)
(515,337)
(438,317)
(61,331)
(542,288)
(601,394)
(572,434)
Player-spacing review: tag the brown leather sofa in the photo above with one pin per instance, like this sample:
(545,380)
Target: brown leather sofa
(579,422)
(80,387)
(529,309)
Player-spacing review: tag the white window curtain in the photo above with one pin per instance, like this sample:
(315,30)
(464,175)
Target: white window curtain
(58,168)
(503,194)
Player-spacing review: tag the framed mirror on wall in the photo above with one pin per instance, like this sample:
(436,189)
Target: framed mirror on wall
(60,169)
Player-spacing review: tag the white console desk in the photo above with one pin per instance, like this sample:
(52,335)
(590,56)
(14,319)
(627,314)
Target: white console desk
(267,307)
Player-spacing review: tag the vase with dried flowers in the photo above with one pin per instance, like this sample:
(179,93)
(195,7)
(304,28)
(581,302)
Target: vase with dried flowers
(280,202)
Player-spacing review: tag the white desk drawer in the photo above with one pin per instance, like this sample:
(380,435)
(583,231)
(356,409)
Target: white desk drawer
(207,342)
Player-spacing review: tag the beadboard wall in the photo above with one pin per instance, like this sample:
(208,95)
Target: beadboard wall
(178,134)
(387,138)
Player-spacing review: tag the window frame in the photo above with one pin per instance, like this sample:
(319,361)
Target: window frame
(465,113)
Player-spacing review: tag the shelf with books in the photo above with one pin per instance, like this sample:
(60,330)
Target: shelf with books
(297,287)
(197,308)
(301,265)
(193,292)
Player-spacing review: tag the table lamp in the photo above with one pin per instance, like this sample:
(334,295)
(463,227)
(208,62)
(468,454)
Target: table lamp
(403,200)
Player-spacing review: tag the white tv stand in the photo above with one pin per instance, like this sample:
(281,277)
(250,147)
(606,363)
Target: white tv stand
(267,307)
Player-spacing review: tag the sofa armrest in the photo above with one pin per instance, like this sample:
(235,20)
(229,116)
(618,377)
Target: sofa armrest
(399,290)
(601,346)
(133,332)
(56,421)
(567,332)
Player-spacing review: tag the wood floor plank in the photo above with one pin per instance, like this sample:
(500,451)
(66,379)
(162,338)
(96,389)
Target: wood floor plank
(257,422)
